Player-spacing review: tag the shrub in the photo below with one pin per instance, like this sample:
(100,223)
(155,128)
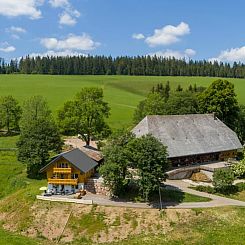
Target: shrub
(239,169)
(203,188)
(223,180)
(240,186)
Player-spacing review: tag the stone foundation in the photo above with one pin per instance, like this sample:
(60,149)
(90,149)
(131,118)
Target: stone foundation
(95,186)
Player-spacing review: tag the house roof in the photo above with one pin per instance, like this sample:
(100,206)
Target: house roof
(77,158)
(189,134)
(91,150)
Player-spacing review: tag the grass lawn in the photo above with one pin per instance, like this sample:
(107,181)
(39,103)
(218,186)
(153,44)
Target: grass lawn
(13,177)
(7,238)
(8,141)
(212,226)
(123,93)
(238,196)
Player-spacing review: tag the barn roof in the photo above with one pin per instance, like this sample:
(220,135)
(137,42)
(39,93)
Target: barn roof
(189,134)
(77,158)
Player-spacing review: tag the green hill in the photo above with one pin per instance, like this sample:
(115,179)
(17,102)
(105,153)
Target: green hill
(122,92)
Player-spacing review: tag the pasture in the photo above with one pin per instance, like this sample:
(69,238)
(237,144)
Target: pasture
(123,93)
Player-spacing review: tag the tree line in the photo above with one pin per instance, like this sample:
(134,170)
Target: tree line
(123,65)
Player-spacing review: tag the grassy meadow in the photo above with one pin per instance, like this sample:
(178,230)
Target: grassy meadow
(123,93)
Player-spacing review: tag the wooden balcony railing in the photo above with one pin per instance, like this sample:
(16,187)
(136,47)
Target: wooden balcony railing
(63,181)
(62,170)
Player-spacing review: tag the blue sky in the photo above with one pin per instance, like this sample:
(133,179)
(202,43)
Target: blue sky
(210,29)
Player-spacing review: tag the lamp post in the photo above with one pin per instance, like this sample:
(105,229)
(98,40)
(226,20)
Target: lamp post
(160,197)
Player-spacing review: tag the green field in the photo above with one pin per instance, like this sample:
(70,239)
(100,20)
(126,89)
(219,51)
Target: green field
(121,92)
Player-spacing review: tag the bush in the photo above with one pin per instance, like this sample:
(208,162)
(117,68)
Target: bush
(240,186)
(223,180)
(203,188)
(239,169)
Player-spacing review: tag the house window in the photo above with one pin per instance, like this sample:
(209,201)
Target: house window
(74,176)
(63,165)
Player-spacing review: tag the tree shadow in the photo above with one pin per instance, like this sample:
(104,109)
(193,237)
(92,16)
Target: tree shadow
(168,195)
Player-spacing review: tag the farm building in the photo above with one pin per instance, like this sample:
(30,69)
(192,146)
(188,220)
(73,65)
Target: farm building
(69,171)
(191,139)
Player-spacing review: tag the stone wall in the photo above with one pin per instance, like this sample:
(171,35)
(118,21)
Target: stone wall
(95,186)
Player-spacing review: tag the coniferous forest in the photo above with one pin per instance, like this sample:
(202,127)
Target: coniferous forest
(138,65)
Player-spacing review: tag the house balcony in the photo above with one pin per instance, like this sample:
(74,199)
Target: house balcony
(62,170)
(63,181)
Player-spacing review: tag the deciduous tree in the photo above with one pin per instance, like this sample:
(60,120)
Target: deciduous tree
(38,135)
(154,104)
(86,115)
(149,157)
(10,112)
(223,180)
(116,162)
(220,98)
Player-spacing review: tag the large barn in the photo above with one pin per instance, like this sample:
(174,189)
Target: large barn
(191,139)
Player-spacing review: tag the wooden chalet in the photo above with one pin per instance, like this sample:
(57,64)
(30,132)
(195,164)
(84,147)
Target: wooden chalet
(69,171)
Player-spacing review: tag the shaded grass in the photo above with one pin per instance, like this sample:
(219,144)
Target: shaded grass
(167,195)
(178,196)
(123,93)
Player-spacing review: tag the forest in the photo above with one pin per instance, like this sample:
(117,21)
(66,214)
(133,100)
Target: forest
(124,65)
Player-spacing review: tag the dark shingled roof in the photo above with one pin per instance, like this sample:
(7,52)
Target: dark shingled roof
(186,135)
(77,158)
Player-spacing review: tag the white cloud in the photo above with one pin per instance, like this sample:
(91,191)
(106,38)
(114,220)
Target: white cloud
(138,36)
(57,53)
(14,8)
(168,35)
(72,42)
(188,53)
(66,19)
(15,36)
(59,3)
(16,29)
(6,48)
(231,55)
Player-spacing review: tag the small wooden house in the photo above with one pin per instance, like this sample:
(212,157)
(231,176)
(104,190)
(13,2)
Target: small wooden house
(191,139)
(69,171)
